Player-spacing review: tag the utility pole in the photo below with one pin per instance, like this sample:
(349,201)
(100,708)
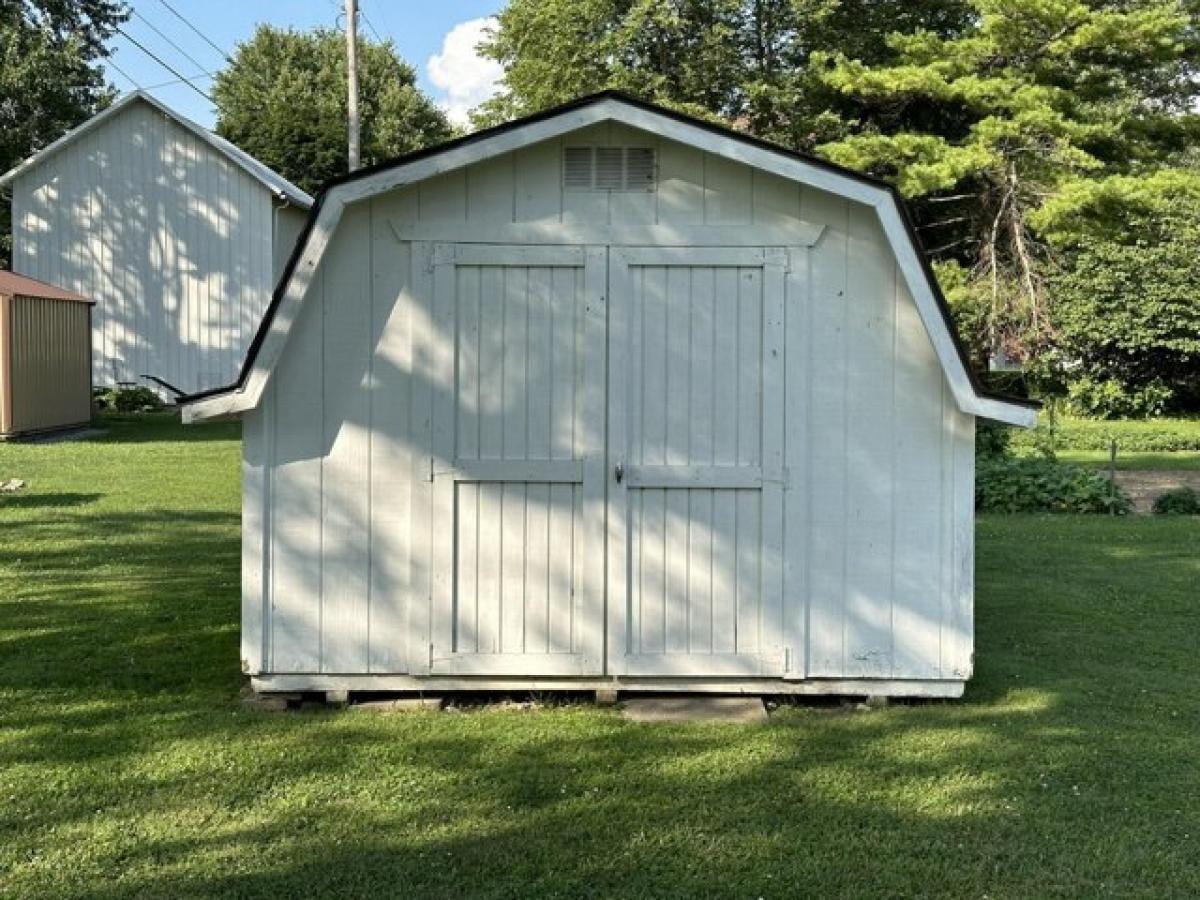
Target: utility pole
(352,80)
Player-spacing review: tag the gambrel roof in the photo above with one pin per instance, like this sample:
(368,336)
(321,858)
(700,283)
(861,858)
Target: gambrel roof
(269,178)
(971,396)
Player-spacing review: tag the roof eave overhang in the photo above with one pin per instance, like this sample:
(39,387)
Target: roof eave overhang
(245,394)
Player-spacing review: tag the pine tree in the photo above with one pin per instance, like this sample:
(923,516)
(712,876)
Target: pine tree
(996,126)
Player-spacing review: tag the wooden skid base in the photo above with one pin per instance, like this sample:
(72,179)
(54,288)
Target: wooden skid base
(851,687)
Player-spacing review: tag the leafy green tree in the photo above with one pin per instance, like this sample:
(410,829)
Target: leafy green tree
(1035,101)
(50,76)
(743,61)
(1127,298)
(283,100)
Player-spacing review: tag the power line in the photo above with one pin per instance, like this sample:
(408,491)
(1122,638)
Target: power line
(201,34)
(175,81)
(123,73)
(380,10)
(370,24)
(165,65)
(195,62)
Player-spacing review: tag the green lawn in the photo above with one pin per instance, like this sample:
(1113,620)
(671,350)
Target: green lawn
(129,768)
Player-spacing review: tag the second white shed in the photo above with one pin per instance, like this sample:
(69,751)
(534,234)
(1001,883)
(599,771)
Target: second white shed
(608,397)
(176,234)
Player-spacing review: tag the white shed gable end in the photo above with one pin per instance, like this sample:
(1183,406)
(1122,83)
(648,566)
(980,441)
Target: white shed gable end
(271,180)
(272,339)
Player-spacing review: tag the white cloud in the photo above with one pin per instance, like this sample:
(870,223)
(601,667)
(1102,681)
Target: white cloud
(465,77)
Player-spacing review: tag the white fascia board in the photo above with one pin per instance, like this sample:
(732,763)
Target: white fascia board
(246,397)
(921,290)
(614,110)
(226,405)
(736,150)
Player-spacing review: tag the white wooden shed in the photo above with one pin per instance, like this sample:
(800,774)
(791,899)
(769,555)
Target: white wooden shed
(177,235)
(603,397)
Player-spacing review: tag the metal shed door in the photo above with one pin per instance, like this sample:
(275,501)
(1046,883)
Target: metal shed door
(517,580)
(696,462)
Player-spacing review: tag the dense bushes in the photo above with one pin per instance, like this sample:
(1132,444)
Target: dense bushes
(1182,501)
(127,399)
(992,439)
(1127,311)
(1007,485)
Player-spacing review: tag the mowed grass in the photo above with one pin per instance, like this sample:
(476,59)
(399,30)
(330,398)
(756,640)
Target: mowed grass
(128,767)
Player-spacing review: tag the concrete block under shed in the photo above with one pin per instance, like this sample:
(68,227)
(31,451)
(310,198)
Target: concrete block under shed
(748,710)
(399,705)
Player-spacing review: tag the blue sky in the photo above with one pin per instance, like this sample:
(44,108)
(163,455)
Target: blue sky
(435,36)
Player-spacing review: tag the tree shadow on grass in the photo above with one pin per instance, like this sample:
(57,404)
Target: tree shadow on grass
(578,803)
(46,501)
(161,427)
(1069,770)
(140,602)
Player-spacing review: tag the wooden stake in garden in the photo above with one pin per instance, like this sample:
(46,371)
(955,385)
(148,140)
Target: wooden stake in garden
(1112,468)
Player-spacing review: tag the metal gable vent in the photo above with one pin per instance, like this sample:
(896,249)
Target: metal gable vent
(609,168)
(577,168)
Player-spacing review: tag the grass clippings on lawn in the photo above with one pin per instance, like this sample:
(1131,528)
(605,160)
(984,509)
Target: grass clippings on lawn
(129,768)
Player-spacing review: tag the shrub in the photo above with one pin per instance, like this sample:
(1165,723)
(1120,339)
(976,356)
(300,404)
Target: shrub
(991,439)
(127,399)
(1184,501)
(1108,398)
(1042,485)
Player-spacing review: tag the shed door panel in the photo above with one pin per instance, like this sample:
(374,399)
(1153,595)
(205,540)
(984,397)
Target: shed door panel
(696,418)
(518,466)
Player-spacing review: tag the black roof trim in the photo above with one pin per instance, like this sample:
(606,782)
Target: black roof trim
(264,327)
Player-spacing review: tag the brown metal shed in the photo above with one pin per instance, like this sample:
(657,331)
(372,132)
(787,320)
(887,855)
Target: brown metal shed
(45,357)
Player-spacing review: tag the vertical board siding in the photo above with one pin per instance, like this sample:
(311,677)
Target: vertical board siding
(345,538)
(515,571)
(870,304)
(297,492)
(695,365)
(958,626)
(859,566)
(797,500)
(172,240)
(919,527)
(391,456)
(825,456)
(256,505)
(694,188)
(45,379)
(519,344)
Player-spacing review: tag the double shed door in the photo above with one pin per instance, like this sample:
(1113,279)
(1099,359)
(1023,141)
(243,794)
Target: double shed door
(606,480)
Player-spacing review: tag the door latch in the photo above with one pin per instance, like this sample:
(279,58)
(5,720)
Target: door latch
(619,472)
